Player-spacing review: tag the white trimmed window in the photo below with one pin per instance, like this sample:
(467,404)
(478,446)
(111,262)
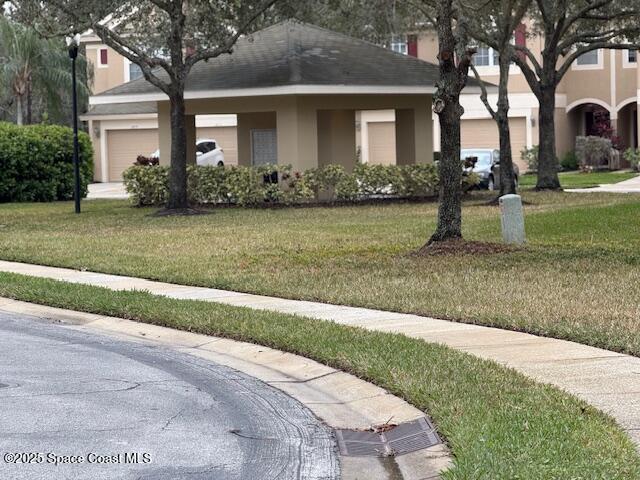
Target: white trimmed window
(485,57)
(399,44)
(134,71)
(632,56)
(588,58)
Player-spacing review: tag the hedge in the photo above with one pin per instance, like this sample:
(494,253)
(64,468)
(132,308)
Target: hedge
(148,184)
(36,163)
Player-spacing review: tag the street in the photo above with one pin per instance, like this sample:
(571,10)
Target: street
(82,406)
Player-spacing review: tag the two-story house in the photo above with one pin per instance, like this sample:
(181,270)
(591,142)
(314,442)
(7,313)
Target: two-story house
(600,83)
(604,82)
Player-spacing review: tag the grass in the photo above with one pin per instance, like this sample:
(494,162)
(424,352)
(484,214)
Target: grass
(499,424)
(581,180)
(577,279)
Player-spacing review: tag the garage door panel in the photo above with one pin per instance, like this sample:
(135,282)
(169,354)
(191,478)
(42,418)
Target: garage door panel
(483,133)
(124,146)
(382,143)
(226,137)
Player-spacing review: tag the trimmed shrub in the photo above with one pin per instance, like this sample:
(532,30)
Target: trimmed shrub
(593,152)
(632,155)
(148,184)
(36,163)
(570,161)
(530,156)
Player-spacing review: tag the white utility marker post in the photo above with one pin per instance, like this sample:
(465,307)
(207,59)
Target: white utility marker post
(512,219)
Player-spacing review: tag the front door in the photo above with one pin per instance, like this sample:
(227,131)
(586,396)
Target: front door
(264,147)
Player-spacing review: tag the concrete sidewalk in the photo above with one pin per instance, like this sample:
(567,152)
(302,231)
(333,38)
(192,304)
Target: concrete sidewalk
(607,380)
(107,191)
(628,186)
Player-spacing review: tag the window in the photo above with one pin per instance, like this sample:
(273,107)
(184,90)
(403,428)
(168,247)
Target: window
(588,58)
(103,55)
(399,44)
(134,71)
(485,57)
(632,56)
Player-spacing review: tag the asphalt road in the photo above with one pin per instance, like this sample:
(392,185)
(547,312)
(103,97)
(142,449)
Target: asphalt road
(110,409)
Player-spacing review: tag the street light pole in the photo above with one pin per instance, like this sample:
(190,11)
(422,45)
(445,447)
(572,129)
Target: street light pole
(73,43)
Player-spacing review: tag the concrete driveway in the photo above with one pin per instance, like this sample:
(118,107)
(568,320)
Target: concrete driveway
(104,408)
(109,190)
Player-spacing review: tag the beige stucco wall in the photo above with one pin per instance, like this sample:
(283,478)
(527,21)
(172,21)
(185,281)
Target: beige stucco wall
(105,78)
(337,138)
(302,131)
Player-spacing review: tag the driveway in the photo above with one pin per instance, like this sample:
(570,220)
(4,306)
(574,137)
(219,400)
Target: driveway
(106,408)
(109,190)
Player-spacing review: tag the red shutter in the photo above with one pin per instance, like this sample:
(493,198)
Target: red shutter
(104,56)
(521,38)
(412,45)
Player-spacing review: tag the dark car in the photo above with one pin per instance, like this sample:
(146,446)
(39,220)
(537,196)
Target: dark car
(487,166)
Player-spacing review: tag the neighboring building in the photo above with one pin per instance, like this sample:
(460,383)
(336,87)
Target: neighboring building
(121,132)
(603,83)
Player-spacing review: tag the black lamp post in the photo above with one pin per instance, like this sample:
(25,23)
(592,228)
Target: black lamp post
(73,43)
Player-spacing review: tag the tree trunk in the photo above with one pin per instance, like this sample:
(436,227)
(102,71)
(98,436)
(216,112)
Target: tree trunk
(19,118)
(447,100)
(178,172)
(29,104)
(507,175)
(450,172)
(547,161)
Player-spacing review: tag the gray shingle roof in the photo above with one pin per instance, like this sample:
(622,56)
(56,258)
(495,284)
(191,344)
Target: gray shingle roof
(294,53)
(139,108)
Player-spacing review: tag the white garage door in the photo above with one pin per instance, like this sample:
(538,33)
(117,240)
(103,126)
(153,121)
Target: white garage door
(484,134)
(382,143)
(226,137)
(124,146)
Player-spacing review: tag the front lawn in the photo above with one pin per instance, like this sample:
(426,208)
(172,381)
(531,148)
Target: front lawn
(578,278)
(580,179)
(499,424)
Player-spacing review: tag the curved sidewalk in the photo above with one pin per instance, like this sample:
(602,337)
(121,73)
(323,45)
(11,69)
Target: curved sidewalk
(607,380)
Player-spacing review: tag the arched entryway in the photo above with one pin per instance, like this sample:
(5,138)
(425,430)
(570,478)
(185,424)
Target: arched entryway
(627,123)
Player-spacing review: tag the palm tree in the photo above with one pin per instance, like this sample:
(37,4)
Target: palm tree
(30,64)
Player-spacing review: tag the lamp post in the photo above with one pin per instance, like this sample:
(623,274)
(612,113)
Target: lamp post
(73,43)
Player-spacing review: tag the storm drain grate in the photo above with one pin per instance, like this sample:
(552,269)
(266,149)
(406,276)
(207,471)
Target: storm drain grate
(404,438)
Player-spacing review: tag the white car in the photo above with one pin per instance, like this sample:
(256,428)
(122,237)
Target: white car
(208,152)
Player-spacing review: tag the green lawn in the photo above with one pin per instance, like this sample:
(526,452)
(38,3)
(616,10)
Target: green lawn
(577,279)
(581,180)
(499,424)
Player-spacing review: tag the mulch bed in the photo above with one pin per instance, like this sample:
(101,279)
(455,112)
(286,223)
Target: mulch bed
(464,247)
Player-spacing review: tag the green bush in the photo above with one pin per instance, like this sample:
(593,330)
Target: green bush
(149,184)
(36,163)
(632,155)
(530,156)
(570,161)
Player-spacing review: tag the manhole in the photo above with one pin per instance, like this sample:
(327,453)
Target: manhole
(404,438)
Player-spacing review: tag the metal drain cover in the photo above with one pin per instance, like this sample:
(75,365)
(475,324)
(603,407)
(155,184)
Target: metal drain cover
(404,438)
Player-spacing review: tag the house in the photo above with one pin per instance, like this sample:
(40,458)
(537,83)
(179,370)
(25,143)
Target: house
(121,132)
(296,92)
(602,84)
